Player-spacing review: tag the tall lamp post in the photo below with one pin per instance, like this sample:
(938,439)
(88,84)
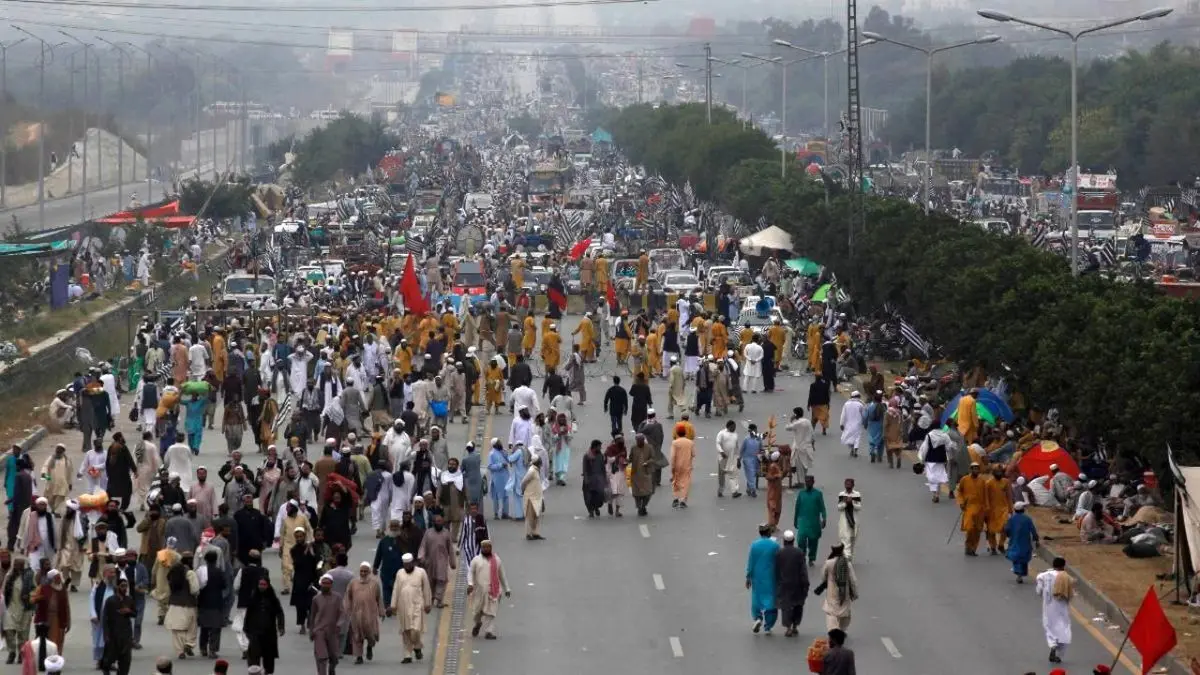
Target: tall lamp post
(47,49)
(825,57)
(776,60)
(4,47)
(707,72)
(1074,36)
(929,53)
(121,55)
(83,187)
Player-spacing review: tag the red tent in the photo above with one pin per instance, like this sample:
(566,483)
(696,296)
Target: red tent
(1037,460)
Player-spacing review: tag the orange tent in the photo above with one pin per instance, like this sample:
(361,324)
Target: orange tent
(1037,460)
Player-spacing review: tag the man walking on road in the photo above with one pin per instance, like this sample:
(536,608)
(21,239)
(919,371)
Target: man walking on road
(840,587)
(324,620)
(809,518)
(849,506)
(616,404)
(1056,588)
(683,455)
(1022,540)
(727,459)
(791,587)
(412,599)
(760,579)
(485,582)
(971,495)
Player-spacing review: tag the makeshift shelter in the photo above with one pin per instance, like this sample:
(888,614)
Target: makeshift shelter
(602,136)
(989,406)
(1187,523)
(1037,460)
(763,242)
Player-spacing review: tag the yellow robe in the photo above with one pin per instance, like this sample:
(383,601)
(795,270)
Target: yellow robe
(402,358)
(424,331)
(495,386)
(529,340)
(972,497)
(999,501)
(654,352)
(517,269)
(602,275)
(643,270)
(777,334)
(814,347)
(621,345)
(705,331)
(545,327)
(638,353)
(587,338)
(220,357)
(551,349)
(450,323)
(720,340)
(842,341)
(968,418)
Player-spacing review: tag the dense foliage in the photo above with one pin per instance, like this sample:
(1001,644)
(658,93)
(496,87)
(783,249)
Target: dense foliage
(347,145)
(529,126)
(1136,114)
(229,199)
(1120,361)
(677,142)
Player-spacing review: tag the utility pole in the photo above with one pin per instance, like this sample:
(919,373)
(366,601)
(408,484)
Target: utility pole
(639,76)
(121,54)
(86,71)
(46,47)
(708,83)
(3,97)
(854,159)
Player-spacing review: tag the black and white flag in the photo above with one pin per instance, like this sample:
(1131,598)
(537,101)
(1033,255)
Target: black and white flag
(912,337)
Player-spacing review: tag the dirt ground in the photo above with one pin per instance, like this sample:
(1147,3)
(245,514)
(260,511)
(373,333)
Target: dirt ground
(1124,580)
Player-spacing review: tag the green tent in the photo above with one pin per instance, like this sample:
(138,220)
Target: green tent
(804,266)
(822,294)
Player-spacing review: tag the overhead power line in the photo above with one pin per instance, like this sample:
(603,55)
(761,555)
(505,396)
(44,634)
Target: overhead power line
(324,8)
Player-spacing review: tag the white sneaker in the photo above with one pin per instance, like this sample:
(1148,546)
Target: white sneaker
(757,625)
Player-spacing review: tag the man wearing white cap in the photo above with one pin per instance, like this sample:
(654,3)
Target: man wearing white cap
(324,627)
(36,534)
(69,557)
(752,380)
(852,423)
(1022,541)
(54,664)
(676,384)
(485,582)
(59,474)
(791,587)
(412,599)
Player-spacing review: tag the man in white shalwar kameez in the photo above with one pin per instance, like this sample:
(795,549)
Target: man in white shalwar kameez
(109,381)
(485,583)
(849,507)
(684,307)
(803,449)
(398,444)
(36,534)
(934,453)
(178,460)
(298,377)
(1056,607)
(852,423)
(412,599)
(94,469)
(752,380)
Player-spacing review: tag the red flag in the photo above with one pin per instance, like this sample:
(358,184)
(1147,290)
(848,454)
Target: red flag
(580,248)
(410,289)
(556,296)
(1151,633)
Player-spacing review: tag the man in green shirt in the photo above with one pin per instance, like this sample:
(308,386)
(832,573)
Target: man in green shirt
(809,519)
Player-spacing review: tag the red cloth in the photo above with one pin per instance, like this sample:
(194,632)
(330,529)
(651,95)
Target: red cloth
(612,295)
(557,298)
(410,289)
(341,481)
(1151,633)
(494,577)
(580,248)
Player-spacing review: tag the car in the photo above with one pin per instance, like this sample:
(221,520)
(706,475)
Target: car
(741,282)
(749,312)
(679,283)
(469,279)
(536,279)
(242,288)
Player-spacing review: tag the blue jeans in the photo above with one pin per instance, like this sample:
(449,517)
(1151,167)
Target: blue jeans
(750,467)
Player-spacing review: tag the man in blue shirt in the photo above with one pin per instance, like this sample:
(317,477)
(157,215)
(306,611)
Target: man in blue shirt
(760,579)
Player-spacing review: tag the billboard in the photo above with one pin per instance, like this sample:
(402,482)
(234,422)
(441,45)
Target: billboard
(404,45)
(341,44)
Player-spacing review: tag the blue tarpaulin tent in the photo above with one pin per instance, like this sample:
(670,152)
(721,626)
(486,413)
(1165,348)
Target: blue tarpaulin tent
(601,136)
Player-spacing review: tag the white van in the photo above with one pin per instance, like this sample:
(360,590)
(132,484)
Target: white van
(241,288)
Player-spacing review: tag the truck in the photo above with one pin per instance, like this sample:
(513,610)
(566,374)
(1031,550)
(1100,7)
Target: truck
(1098,203)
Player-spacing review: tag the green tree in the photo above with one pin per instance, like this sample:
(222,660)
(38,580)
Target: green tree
(527,125)
(225,200)
(347,145)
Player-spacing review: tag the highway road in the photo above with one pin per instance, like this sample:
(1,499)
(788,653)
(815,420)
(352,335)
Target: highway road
(664,594)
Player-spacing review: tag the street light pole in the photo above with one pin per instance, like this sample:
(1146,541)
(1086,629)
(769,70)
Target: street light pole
(121,54)
(1073,172)
(929,53)
(4,47)
(825,56)
(83,190)
(46,47)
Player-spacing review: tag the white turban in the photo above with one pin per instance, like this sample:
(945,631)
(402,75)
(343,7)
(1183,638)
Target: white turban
(54,664)
(406,558)
(789,536)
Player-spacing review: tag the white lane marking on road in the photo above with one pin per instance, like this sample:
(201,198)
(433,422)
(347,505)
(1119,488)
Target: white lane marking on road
(658,583)
(891,647)
(645,531)
(676,647)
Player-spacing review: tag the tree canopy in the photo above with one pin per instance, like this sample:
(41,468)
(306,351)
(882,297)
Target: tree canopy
(1119,360)
(229,199)
(1136,114)
(346,145)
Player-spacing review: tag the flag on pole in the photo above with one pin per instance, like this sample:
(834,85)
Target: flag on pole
(912,337)
(410,289)
(1151,632)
